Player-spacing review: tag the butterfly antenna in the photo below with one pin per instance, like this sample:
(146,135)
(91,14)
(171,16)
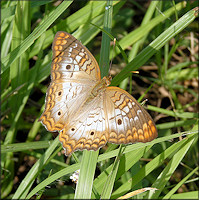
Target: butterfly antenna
(114,41)
(114,47)
(135,72)
(144,102)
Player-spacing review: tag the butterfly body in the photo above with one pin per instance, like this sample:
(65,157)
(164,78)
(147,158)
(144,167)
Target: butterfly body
(80,105)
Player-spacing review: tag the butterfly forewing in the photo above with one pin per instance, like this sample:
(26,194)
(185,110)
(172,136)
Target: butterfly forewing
(74,72)
(72,60)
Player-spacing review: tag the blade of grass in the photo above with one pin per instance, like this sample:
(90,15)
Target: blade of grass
(117,43)
(184,74)
(105,48)
(129,148)
(137,45)
(25,98)
(85,183)
(47,181)
(145,21)
(171,192)
(18,75)
(19,68)
(126,162)
(31,82)
(166,174)
(185,115)
(140,32)
(24,146)
(154,46)
(8,12)
(86,175)
(35,128)
(95,25)
(27,182)
(12,56)
(108,186)
(152,165)
(7,15)
(178,123)
(137,148)
(6,42)
(186,195)
(92,12)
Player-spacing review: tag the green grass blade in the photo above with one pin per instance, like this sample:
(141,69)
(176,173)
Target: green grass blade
(24,146)
(89,161)
(129,148)
(18,75)
(24,96)
(7,12)
(140,32)
(54,177)
(90,13)
(25,185)
(166,174)
(138,149)
(186,195)
(87,171)
(144,23)
(154,46)
(105,48)
(148,168)
(186,115)
(128,159)
(171,192)
(109,183)
(11,57)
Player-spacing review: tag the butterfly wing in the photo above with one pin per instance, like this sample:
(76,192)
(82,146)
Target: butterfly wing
(88,130)
(128,121)
(74,72)
(112,116)
(86,121)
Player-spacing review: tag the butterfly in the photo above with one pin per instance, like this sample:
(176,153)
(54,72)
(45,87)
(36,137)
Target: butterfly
(80,105)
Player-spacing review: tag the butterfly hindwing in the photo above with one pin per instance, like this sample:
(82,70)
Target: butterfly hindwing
(112,116)
(88,130)
(128,120)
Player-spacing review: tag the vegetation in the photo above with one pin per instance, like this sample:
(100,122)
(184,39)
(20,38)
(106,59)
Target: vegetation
(157,38)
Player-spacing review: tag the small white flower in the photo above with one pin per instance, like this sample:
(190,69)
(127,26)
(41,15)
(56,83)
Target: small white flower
(75,176)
